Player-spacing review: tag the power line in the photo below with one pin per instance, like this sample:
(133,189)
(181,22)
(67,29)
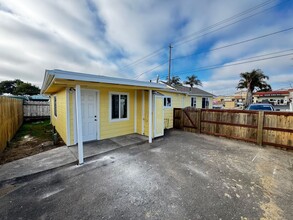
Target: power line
(214,25)
(234,64)
(139,75)
(227,19)
(187,41)
(236,43)
(143,58)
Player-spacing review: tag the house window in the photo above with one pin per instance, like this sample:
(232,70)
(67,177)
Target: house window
(193,102)
(55,106)
(119,106)
(205,102)
(167,102)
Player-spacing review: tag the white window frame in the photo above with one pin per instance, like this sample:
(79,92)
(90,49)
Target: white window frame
(166,97)
(110,106)
(194,98)
(55,113)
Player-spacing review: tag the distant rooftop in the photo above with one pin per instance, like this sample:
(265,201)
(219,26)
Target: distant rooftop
(193,91)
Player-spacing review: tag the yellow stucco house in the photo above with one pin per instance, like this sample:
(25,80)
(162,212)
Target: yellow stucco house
(86,107)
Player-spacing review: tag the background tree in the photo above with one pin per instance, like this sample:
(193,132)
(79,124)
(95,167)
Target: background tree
(175,81)
(254,80)
(193,81)
(18,87)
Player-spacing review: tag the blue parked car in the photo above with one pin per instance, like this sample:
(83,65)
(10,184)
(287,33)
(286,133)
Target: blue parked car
(261,107)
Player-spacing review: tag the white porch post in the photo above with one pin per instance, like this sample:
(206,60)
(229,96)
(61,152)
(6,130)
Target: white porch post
(150,116)
(79,124)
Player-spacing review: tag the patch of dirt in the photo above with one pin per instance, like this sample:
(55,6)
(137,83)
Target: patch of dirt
(32,138)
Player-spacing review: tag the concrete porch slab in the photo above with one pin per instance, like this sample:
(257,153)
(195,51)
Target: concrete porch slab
(94,148)
(44,161)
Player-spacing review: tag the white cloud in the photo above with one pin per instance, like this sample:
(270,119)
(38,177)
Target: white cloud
(98,36)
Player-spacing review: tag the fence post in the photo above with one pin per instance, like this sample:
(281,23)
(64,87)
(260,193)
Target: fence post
(260,122)
(199,120)
(182,120)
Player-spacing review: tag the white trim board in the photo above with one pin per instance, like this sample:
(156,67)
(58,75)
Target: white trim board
(110,106)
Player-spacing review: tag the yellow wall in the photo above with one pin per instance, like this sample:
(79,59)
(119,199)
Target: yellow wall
(178,101)
(146,113)
(60,121)
(108,128)
(71,116)
(115,128)
(139,112)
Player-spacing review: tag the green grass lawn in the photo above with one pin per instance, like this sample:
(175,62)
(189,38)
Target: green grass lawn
(40,129)
(31,138)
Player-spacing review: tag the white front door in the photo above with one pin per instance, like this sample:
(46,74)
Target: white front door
(89,106)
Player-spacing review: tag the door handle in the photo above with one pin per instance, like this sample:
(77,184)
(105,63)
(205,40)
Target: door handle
(95,119)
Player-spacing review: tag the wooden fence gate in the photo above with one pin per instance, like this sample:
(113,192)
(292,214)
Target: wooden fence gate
(263,128)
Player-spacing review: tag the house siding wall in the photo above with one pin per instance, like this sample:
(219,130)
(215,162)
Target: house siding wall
(178,101)
(146,113)
(71,116)
(108,128)
(139,111)
(60,121)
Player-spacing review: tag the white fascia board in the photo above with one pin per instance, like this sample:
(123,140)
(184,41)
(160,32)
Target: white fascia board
(203,95)
(60,74)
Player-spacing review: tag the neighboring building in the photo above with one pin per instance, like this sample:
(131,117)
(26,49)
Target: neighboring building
(198,97)
(87,107)
(235,101)
(280,97)
(39,98)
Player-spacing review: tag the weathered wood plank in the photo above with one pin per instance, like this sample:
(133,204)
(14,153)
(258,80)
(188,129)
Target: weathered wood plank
(11,118)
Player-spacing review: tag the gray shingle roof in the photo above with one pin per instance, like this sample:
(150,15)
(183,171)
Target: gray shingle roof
(193,91)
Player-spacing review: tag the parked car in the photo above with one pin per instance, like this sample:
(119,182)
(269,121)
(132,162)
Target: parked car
(261,107)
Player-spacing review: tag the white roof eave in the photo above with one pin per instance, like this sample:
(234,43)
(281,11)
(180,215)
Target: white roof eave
(60,74)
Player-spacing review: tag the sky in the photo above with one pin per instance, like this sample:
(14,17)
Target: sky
(130,39)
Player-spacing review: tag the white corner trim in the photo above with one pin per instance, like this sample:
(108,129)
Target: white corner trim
(74,117)
(135,110)
(150,116)
(142,114)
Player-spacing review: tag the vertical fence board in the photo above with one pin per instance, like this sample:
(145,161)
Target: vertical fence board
(36,109)
(11,118)
(269,128)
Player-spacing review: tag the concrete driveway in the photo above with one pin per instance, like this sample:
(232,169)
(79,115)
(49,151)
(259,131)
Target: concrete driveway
(180,176)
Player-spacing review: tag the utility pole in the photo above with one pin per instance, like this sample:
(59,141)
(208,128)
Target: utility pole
(170,59)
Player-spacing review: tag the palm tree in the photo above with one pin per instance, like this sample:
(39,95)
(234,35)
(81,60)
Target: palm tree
(175,81)
(193,81)
(254,80)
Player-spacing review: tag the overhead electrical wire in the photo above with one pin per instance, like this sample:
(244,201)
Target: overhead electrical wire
(139,75)
(219,48)
(237,43)
(180,42)
(239,62)
(212,26)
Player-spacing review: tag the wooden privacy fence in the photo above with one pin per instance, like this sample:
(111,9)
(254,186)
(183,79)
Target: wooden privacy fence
(11,117)
(36,109)
(263,128)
